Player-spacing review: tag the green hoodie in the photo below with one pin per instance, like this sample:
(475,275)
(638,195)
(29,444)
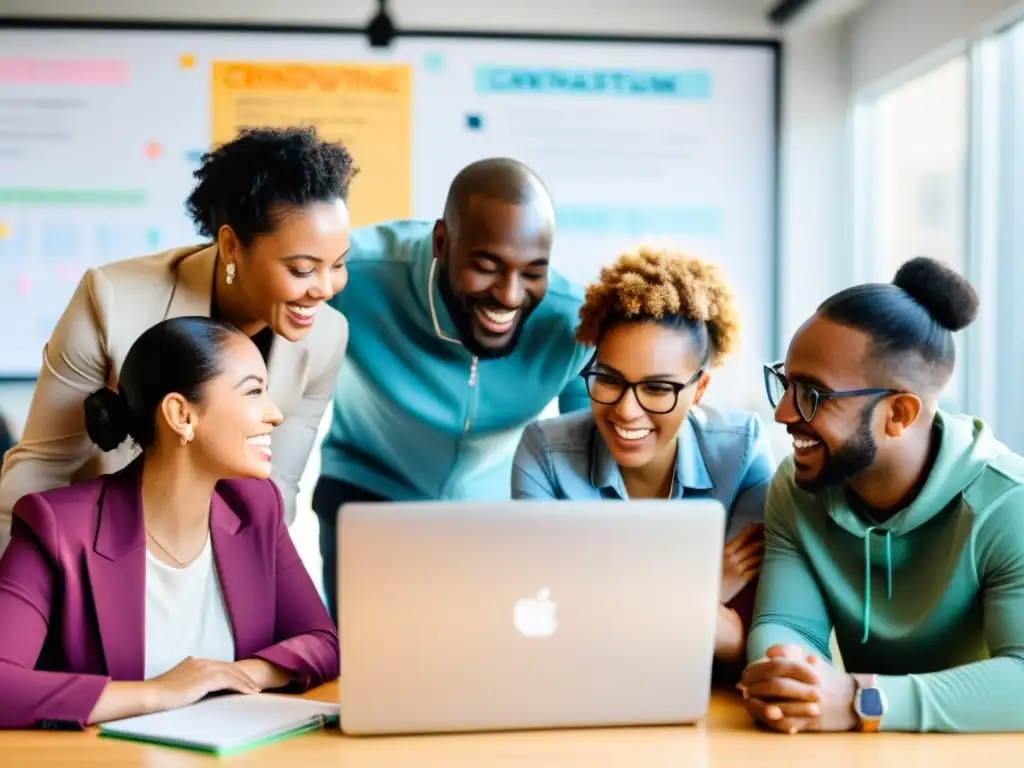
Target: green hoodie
(932,600)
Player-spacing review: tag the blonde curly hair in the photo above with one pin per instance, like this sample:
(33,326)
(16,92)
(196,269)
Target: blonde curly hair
(655,284)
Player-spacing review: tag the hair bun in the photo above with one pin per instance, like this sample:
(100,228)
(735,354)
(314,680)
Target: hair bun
(107,418)
(947,295)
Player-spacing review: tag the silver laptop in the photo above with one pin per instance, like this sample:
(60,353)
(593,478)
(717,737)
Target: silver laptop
(475,616)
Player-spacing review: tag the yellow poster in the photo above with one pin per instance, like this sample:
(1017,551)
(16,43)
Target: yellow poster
(366,106)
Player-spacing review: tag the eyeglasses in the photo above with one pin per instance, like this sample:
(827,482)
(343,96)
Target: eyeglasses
(653,396)
(806,397)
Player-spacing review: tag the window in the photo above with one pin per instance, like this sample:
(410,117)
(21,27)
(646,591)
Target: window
(1005,188)
(913,172)
(920,169)
(994,364)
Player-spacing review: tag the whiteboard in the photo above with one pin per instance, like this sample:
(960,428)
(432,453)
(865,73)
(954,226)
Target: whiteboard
(101,129)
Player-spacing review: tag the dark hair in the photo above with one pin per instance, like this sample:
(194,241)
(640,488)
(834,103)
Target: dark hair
(246,182)
(176,355)
(6,437)
(911,320)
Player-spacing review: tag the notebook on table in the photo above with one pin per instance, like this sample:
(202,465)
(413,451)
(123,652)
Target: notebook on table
(226,724)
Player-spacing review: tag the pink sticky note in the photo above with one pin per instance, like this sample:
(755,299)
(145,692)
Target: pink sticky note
(153,149)
(24,285)
(39,71)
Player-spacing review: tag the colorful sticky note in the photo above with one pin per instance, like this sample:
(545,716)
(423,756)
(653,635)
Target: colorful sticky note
(186,61)
(5,230)
(433,62)
(345,102)
(153,149)
(24,285)
(474,122)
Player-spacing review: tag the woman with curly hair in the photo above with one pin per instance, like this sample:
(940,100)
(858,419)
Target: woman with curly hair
(272,206)
(659,321)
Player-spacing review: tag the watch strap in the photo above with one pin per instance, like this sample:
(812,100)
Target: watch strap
(867,724)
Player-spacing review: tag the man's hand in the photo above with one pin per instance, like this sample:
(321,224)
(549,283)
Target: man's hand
(791,691)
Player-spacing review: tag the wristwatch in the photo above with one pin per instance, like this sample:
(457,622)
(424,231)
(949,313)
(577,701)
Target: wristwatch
(869,703)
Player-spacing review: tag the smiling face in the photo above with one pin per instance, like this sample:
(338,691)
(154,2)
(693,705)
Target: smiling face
(840,441)
(494,271)
(663,359)
(284,276)
(233,423)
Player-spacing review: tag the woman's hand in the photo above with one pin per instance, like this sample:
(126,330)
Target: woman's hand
(193,679)
(266,675)
(741,560)
(185,684)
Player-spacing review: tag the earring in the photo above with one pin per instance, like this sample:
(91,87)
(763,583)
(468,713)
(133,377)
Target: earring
(187,437)
(231,274)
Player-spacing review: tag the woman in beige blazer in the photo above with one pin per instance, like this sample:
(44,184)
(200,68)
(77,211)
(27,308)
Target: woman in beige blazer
(274,205)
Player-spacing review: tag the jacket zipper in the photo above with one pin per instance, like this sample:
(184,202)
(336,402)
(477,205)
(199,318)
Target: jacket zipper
(472,384)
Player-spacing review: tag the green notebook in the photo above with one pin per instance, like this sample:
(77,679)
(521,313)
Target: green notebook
(226,724)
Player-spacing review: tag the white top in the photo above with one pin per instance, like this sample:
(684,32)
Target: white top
(185,613)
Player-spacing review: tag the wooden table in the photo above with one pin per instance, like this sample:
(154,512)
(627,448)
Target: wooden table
(725,739)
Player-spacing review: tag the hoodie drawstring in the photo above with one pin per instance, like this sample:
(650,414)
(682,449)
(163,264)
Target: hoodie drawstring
(867,576)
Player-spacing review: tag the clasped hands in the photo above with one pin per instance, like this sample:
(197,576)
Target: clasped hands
(792,691)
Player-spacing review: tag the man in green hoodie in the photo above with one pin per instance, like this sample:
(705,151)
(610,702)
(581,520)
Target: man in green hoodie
(896,524)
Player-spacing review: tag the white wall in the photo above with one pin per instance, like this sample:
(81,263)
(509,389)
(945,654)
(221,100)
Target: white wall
(814,174)
(889,35)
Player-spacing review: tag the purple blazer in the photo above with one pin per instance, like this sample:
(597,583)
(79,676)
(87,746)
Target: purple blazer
(72,594)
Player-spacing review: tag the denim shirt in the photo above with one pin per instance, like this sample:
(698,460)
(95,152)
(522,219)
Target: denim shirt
(724,455)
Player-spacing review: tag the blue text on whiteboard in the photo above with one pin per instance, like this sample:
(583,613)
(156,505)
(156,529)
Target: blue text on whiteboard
(688,84)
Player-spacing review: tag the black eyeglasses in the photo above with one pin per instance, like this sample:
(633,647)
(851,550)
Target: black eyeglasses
(653,396)
(807,397)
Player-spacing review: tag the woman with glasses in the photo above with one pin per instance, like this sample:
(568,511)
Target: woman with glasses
(658,322)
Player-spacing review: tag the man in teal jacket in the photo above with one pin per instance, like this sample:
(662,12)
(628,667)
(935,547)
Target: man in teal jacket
(897,525)
(461,335)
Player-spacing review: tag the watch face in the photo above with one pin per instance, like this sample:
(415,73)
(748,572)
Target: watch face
(870,702)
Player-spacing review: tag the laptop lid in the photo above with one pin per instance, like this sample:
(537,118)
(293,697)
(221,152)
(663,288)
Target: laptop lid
(467,616)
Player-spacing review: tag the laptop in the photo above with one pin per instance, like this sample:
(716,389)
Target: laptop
(481,616)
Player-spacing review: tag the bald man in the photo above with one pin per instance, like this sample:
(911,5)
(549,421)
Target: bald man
(462,334)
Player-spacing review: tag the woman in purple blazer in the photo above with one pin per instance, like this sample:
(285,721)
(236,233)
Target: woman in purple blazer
(148,589)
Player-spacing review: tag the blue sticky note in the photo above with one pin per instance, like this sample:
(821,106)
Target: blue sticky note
(153,237)
(194,156)
(475,122)
(433,62)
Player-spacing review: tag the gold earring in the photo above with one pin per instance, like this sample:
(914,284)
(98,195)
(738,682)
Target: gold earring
(187,437)
(231,274)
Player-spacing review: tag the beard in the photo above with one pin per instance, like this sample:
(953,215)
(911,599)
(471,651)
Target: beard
(461,312)
(853,457)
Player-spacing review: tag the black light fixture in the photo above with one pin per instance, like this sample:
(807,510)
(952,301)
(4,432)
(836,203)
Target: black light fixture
(381,30)
(784,11)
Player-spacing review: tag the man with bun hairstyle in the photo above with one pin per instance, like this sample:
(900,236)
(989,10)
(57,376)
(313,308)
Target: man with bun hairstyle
(894,523)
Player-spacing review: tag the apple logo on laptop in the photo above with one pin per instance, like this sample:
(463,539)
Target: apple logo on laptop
(535,616)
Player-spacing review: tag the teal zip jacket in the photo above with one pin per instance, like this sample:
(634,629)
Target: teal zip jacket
(931,600)
(415,415)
